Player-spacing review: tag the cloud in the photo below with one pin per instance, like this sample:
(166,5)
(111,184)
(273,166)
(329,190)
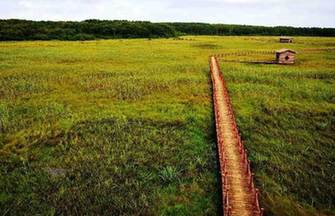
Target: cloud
(26,4)
(257,12)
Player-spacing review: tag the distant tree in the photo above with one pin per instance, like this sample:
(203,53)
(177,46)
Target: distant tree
(14,29)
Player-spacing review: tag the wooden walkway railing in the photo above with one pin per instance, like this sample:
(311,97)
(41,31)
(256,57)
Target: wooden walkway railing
(240,196)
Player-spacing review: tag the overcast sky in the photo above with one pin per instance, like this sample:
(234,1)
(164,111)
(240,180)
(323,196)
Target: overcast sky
(320,13)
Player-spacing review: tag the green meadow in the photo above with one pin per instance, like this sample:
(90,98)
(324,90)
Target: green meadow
(126,127)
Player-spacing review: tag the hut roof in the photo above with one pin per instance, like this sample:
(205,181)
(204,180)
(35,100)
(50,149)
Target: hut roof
(285,50)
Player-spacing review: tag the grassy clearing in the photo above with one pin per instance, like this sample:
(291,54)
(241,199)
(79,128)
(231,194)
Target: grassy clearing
(118,127)
(126,126)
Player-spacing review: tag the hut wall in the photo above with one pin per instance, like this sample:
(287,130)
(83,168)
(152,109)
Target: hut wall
(286,40)
(286,58)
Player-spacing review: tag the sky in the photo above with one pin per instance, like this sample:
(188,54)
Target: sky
(300,13)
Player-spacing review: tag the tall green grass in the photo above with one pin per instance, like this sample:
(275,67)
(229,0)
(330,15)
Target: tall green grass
(125,127)
(286,115)
(119,127)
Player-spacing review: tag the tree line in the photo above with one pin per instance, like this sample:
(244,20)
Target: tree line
(226,29)
(15,30)
(86,30)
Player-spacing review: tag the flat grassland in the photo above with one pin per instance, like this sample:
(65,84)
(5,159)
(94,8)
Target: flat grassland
(126,127)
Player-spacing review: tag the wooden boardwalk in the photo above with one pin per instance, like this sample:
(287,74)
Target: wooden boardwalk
(239,194)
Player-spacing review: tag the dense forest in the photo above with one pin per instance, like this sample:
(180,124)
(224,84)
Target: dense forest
(226,29)
(86,30)
(14,29)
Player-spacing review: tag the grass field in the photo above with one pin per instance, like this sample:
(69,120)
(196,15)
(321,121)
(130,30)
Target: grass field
(125,127)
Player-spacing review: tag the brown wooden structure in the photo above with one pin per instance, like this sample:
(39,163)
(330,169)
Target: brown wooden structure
(239,195)
(285,56)
(286,40)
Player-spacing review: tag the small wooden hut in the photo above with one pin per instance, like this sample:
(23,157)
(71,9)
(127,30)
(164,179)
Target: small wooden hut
(285,56)
(286,40)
